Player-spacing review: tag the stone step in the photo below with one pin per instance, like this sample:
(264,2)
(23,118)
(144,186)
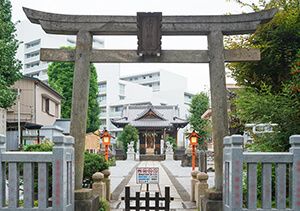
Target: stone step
(152,157)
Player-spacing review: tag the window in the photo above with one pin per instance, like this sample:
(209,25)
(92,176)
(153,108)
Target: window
(118,108)
(122,89)
(49,106)
(33,43)
(122,97)
(33,54)
(150,76)
(34,64)
(102,87)
(102,99)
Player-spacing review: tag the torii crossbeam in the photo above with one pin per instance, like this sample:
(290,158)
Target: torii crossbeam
(214,27)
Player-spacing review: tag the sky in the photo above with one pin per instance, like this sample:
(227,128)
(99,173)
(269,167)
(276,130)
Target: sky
(197,74)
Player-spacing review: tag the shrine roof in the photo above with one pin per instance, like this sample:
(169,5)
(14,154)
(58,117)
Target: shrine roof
(149,116)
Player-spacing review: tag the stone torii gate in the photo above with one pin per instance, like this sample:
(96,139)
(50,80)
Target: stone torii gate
(149,51)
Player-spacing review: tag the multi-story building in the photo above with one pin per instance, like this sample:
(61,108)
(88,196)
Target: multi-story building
(156,88)
(33,38)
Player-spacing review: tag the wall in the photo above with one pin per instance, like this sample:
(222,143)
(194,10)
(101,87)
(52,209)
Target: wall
(42,117)
(27,109)
(92,142)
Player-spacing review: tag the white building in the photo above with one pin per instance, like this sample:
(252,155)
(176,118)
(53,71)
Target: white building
(156,88)
(33,38)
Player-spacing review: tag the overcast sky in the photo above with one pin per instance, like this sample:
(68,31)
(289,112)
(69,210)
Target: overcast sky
(197,74)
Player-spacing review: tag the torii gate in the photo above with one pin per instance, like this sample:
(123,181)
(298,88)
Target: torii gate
(149,51)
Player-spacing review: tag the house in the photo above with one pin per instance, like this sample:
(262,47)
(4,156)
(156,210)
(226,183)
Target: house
(37,105)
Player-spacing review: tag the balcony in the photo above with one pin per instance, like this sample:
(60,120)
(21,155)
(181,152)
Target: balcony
(31,59)
(32,49)
(114,114)
(36,69)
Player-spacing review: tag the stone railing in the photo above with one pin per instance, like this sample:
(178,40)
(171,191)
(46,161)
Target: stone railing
(284,166)
(24,178)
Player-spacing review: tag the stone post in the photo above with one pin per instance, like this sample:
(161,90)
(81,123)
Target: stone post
(295,149)
(234,148)
(218,101)
(81,83)
(200,188)
(98,186)
(2,172)
(193,184)
(106,180)
(202,161)
(62,174)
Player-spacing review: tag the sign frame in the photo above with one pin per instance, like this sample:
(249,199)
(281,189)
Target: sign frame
(147,175)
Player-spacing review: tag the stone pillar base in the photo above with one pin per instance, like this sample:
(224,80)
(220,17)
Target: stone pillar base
(212,201)
(169,155)
(86,201)
(130,156)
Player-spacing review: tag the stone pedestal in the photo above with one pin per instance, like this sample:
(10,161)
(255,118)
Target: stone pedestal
(212,201)
(99,187)
(130,156)
(201,187)
(106,180)
(85,200)
(169,155)
(193,184)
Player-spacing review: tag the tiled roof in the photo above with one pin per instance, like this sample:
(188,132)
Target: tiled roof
(166,116)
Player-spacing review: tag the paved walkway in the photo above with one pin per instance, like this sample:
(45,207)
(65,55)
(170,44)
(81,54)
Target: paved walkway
(170,173)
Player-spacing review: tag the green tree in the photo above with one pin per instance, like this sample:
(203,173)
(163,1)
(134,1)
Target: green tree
(61,79)
(200,103)
(129,134)
(9,65)
(278,40)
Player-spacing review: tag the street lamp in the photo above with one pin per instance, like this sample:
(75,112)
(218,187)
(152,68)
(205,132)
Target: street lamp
(194,141)
(106,141)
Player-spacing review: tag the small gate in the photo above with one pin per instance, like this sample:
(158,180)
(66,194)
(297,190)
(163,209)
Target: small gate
(147,199)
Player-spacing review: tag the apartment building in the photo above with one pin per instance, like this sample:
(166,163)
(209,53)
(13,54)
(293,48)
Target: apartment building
(33,38)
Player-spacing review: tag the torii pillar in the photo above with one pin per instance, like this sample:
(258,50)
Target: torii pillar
(85,26)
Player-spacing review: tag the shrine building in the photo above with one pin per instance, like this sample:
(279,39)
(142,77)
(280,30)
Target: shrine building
(154,124)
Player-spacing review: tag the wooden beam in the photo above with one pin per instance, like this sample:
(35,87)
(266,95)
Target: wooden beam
(167,56)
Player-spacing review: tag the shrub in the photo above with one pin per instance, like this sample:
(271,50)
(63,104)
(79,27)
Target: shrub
(93,163)
(172,141)
(104,205)
(46,146)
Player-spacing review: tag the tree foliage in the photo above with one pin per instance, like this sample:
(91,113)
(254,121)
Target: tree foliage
(200,103)
(129,134)
(271,85)
(9,65)
(278,40)
(61,79)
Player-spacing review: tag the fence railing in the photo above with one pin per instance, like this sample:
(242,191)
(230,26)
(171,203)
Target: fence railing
(26,177)
(147,202)
(260,181)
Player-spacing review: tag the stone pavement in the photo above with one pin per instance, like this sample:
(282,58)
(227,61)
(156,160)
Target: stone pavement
(170,174)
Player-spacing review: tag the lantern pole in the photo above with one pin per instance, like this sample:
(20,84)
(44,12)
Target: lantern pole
(193,157)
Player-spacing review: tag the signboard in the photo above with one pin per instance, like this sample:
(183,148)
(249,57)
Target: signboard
(147,175)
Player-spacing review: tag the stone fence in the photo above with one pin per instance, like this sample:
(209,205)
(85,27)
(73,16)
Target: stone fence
(24,178)
(249,168)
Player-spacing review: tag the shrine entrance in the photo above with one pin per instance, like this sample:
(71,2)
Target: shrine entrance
(149,28)
(150,142)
